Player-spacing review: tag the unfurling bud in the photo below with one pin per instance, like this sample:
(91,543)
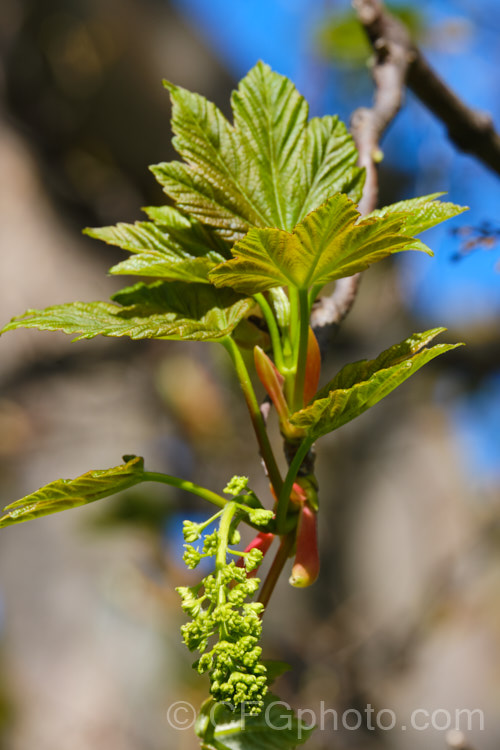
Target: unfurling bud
(272,380)
(297,496)
(306,566)
(313,367)
(308,490)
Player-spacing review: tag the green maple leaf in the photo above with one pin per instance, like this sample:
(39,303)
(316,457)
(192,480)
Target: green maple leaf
(330,243)
(163,310)
(421,213)
(270,168)
(172,246)
(360,385)
(275,728)
(72,493)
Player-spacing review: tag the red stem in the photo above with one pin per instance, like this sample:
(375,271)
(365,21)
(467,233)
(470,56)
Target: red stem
(276,568)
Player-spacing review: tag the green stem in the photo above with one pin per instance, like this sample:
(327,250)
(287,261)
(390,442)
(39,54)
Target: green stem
(300,375)
(266,450)
(294,317)
(289,346)
(184,484)
(220,558)
(286,491)
(205,524)
(314,293)
(223,537)
(276,568)
(272,328)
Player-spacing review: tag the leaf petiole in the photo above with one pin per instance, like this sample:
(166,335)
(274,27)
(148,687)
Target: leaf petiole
(255,415)
(184,484)
(294,318)
(298,399)
(272,327)
(286,490)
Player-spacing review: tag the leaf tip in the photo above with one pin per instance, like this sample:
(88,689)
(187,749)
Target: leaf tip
(156,169)
(171,87)
(93,232)
(136,461)
(14,323)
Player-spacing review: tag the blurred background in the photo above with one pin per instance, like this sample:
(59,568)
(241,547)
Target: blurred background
(406,614)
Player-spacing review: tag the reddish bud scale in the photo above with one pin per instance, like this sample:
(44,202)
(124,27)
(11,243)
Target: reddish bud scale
(313,367)
(297,495)
(262,541)
(306,566)
(308,490)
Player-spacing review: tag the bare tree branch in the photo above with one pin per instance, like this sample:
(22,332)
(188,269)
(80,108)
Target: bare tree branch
(471,130)
(392,46)
(393,54)
(333,309)
(399,63)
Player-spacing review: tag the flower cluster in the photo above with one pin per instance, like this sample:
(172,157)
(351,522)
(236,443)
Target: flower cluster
(225,628)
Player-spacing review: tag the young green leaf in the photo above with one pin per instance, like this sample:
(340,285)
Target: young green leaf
(163,310)
(72,493)
(187,231)
(328,244)
(171,246)
(360,385)
(275,728)
(421,214)
(269,169)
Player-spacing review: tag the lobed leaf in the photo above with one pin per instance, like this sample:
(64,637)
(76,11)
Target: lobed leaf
(162,310)
(360,385)
(171,246)
(269,169)
(72,493)
(421,214)
(275,728)
(330,243)
(187,231)
(328,160)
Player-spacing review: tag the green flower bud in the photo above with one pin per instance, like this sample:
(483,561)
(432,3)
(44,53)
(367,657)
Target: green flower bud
(191,531)
(236,485)
(191,557)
